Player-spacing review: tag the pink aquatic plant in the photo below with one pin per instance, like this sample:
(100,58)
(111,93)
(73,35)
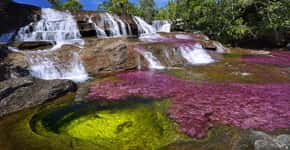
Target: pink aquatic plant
(196,106)
(276,58)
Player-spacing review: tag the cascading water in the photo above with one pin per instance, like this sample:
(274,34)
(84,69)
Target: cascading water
(154,63)
(61,28)
(111,24)
(143,27)
(56,26)
(195,54)
(122,25)
(162,25)
(99,31)
(48,66)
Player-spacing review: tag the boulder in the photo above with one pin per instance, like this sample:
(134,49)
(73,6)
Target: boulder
(12,65)
(3,52)
(14,16)
(20,93)
(11,71)
(109,56)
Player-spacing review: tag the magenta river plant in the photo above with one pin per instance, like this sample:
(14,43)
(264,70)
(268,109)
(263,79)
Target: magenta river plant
(196,106)
(276,58)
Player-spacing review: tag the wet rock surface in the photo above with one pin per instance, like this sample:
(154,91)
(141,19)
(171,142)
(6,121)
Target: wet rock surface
(88,19)
(25,92)
(11,68)
(263,141)
(31,45)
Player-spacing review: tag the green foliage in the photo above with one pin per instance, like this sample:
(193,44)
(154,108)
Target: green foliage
(147,9)
(56,4)
(71,5)
(230,20)
(118,6)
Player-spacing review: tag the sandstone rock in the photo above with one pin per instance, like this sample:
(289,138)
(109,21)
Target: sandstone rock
(26,92)
(214,45)
(108,56)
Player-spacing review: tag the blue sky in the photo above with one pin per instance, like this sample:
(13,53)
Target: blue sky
(88,4)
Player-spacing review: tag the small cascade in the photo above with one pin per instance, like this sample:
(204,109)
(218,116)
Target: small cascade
(49,66)
(56,26)
(122,25)
(143,27)
(111,24)
(154,63)
(99,31)
(162,25)
(129,29)
(195,54)
(219,47)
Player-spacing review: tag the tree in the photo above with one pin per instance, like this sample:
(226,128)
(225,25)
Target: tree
(56,4)
(118,6)
(147,9)
(72,5)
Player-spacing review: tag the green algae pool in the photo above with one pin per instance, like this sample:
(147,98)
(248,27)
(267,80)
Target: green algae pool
(135,123)
(131,124)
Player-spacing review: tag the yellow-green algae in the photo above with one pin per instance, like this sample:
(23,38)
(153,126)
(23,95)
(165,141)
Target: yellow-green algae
(131,125)
(16,132)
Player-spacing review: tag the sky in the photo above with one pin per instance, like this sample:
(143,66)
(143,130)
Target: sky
(87,4)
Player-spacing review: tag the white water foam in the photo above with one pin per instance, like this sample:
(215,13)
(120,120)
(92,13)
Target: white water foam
(183,37)
(143,27)
(99,31)
(154,63)
(196,55)
(56,26)
(61,28)
(162,25)
(48,67)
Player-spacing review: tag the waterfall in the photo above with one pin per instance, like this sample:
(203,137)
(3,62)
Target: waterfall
(162,25)
(143,27)
(61,28)
(56,26)
(49,66)
(154,63)
(99,31)
(110,24)
(122,25)
(195,54)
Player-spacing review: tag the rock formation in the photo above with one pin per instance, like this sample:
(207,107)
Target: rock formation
(17,94)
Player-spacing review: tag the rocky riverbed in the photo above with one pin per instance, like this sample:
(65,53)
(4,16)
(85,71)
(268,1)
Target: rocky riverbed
(96,86)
